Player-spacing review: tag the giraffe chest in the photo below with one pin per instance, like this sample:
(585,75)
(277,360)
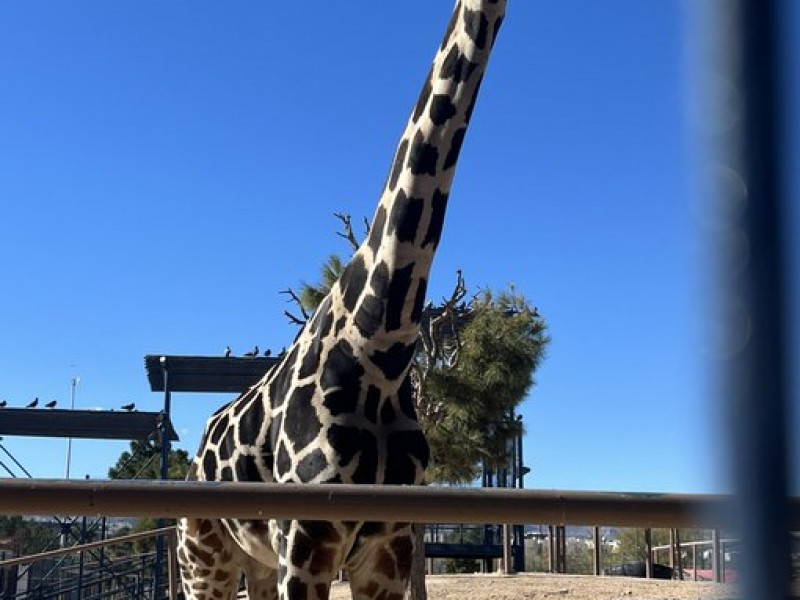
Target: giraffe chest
(349,430)
(307,439)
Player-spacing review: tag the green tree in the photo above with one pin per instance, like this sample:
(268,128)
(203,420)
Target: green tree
(143,461)
(464,535)
(28,536)
(501,345)
(631,545)
(579,557)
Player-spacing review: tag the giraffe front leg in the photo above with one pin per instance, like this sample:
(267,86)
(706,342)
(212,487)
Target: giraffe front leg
(310,555)
(262,587)
(208,570)
(381,567)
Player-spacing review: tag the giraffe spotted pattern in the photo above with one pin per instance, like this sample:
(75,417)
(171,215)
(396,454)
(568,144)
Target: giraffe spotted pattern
(338,407)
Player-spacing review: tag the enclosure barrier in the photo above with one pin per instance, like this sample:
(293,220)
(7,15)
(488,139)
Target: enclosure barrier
(172,581)
(365,502)
(121,539)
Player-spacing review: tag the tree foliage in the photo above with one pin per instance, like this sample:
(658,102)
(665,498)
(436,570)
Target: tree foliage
(143,461)
(312,294)
(28,536)
(502,344)
(631,545)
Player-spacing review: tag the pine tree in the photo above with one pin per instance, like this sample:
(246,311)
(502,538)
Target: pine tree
(143,462)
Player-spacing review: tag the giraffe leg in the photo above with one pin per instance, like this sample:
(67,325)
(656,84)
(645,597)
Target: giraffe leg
(310,555)
(263,586)
(208,569)
(381,567)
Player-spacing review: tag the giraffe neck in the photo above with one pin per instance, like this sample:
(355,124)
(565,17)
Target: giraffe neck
(396,258)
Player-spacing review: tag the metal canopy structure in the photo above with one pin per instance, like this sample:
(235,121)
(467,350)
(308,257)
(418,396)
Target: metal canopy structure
(88,424)
(216,374)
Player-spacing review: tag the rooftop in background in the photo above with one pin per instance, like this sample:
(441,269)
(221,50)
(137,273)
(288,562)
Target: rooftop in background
(205,373)
(93,424)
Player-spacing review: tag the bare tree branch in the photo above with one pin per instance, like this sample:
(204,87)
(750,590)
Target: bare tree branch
(435,344)
(449,316)
(296,299)
(347,225)
(294,320)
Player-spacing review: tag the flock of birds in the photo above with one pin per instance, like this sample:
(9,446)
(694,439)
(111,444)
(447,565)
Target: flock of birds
(52,404)
(252,354)
(129,407)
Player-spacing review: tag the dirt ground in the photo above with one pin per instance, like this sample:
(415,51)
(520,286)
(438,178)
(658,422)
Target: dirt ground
(568,587)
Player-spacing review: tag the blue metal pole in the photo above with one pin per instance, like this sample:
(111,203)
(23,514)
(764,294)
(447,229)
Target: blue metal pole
(80,559)
(757,364)
(164,472)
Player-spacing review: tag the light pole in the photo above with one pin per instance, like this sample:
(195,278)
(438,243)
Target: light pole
(73,385)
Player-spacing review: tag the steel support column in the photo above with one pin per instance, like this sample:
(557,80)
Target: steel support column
(755,360)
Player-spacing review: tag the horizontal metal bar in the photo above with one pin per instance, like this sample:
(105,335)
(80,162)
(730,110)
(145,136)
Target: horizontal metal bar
(364,503)
(23,560)
(86,424)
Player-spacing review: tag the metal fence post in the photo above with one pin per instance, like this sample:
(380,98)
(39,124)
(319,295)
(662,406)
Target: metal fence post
(172,564)
(596,550)
(648,544)
(754,279)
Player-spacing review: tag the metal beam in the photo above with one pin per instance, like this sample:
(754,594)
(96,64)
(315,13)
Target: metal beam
(211,374)
(363,502)
(91,424)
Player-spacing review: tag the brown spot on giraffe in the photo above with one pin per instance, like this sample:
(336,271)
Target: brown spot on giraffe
(385,564)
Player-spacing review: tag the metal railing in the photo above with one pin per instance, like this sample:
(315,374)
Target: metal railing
(360,503)
(104,578)
(363,502)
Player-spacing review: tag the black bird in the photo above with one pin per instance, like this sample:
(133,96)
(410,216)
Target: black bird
(128,407)
(3,403)
(51,404)
(33,404)
(267,352)
(253,353)
(228,351)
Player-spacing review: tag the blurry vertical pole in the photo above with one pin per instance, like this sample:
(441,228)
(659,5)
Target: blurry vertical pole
(519,557)
(755,375)
(73,384)
(163,423)
(596,557)
(81,559)
(163,437)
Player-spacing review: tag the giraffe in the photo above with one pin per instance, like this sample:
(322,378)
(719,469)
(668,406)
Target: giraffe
(338,407)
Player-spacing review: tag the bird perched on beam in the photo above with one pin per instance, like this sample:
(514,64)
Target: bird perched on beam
(228,351)
(34,403)
(252,353)
(267,352)
(128,407)
(3,403)
(51,404)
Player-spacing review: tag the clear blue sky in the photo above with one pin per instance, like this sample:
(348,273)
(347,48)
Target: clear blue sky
(167,168)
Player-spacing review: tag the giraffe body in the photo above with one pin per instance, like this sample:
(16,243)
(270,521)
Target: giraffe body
(338,407)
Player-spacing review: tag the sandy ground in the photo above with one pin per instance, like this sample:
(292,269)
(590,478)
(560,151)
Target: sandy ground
(568,587)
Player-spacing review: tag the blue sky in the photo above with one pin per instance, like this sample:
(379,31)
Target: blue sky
(167,168)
